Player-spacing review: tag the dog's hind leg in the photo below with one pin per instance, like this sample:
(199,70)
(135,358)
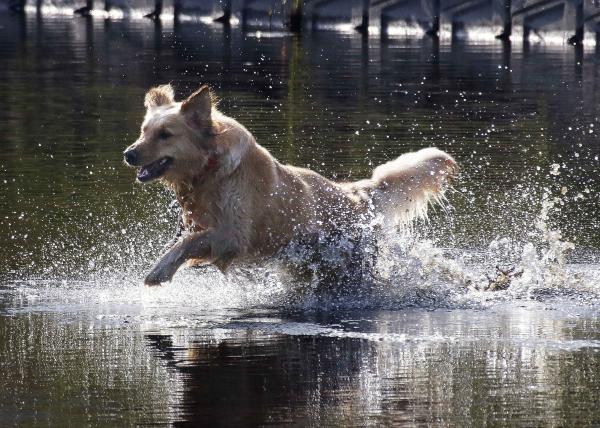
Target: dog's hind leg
(194,246)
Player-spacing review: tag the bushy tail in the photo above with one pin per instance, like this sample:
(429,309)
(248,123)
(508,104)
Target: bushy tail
(402,189)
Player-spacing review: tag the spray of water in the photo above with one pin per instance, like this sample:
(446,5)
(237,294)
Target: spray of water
(410,272)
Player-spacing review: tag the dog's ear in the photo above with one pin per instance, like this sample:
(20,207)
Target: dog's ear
(230,158)
(159,96)
(198,107)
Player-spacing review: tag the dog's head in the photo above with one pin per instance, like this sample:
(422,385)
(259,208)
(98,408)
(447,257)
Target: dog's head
(182,140)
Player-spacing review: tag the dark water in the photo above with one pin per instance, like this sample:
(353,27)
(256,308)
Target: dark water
(83,343)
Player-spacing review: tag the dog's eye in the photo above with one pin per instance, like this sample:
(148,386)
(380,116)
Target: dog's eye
(163,135)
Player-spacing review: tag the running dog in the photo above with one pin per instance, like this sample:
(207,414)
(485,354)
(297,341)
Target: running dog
(240,205)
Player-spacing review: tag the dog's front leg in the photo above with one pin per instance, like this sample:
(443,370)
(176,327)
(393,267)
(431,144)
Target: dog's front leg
(195,245)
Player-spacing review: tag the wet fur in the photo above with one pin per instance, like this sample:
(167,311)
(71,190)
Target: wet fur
(241,205)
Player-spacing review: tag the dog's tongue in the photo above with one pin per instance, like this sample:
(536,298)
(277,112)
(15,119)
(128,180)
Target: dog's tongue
(144,174)
(154,170)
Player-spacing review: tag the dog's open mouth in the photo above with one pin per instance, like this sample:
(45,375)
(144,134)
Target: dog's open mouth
(154,169)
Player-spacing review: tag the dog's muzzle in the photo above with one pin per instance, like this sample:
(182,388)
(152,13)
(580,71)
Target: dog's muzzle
(131,157)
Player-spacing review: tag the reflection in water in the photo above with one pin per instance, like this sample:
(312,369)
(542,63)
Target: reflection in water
(80,341)
(414,367)
(55,374)
(312,380)
(362,368)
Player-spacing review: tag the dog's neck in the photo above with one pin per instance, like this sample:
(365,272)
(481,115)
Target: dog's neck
(200,193)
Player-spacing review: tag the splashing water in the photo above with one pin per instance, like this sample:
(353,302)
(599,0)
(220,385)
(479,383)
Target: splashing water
(536,268)
(410,272)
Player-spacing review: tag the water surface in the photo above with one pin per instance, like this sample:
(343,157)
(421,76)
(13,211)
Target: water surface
(82,342)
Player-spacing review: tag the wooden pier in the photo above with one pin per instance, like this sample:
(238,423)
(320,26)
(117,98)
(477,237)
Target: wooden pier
(573,18)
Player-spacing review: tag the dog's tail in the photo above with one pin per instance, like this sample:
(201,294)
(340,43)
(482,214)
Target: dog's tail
(402,189)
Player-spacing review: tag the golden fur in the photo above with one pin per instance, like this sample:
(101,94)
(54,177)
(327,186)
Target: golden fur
(240,204)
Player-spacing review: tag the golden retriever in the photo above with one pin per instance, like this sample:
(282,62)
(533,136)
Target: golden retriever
(241,205)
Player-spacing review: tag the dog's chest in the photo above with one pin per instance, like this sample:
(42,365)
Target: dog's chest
(196,215)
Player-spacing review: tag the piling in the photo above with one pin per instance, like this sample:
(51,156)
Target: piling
(244,18)
(314,19)
(177,9)
(457,28)
(531,14)
(364,23)
(226,17)
(384,22)
(158,8)
(85,10)
(506,21)
(295,20)
(435,23)
(526,33)
(574,18)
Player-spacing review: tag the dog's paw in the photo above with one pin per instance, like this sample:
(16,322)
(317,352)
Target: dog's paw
(157,277)
(165,268)
(151,281)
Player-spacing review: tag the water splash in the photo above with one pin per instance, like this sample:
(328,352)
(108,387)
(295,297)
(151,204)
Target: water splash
(98,265)
(411,272)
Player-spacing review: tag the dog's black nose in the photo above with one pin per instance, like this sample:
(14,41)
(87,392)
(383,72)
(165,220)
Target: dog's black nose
(131,157)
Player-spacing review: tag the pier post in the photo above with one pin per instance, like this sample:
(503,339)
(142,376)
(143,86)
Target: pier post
(226,17)
(526,32)
(85,10)
(244,13)
(574,19)
(457,28)
(155,14)
(177,8)
(364,24)
(506,21)
(383,25)
(295,21)
(434,31)
(244,19)
(107,5)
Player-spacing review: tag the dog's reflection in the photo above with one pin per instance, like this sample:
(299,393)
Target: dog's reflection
(252,379)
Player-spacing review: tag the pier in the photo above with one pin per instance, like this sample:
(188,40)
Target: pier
(572,19)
